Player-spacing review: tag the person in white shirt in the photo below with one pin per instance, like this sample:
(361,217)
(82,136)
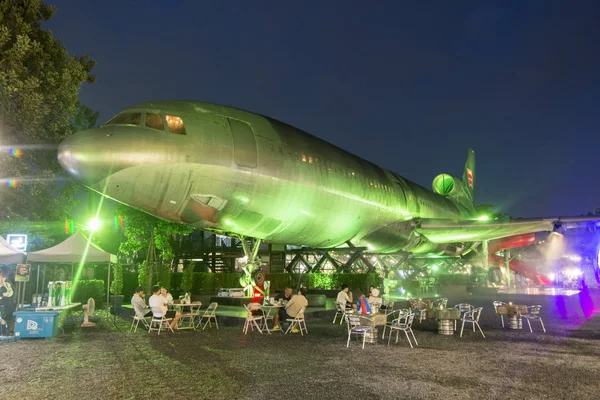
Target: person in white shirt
(158,304)
(168,297)
(374,300)
(291,310)
(139,304)
(344,298)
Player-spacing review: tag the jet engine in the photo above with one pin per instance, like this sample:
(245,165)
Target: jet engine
(447,185)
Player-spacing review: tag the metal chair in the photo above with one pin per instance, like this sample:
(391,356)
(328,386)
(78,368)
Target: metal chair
(162,323)
(463,308)
(533,314)
(297,321)
(209,313)
(393,317)
(355,328)
(472,317)
(136,321)
(406,327)
(341,311)
(496,305)
(191,315)
(252,321)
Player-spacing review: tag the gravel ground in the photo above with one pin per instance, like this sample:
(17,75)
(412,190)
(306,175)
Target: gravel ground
(225,364)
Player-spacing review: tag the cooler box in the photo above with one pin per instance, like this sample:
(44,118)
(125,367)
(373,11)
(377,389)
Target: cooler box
(30,324)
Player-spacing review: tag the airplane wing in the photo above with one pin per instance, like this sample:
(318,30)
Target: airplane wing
(450,231)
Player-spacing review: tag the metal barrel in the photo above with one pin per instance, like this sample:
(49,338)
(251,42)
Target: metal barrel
(515,323)
(371,337)
(445,327)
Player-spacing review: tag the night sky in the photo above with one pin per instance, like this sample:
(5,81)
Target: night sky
(407,86)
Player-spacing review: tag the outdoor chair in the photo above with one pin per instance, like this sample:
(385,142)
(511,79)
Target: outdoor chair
(253,321)
(209,314)
(298,321)
(391,318)
(405,326)
(191,315)
(496,305)
(472,317)
(162,322)
(136,321)
(419,308)
(355,328)
(341,311)
(463,308)
(533,314)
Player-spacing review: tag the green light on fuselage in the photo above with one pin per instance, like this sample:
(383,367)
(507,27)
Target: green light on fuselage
(483,218)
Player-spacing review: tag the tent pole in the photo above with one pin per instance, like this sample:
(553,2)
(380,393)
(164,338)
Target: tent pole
(37,281)
(108,296)
(115,301)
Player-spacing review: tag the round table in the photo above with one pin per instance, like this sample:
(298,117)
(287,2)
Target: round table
(446,318)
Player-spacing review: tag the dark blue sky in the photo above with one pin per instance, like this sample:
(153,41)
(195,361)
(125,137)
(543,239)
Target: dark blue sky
(407,86)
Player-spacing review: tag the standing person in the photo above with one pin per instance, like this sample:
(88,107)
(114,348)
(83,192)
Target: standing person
(7,301)
(344,298)
(158,304)
(139,304)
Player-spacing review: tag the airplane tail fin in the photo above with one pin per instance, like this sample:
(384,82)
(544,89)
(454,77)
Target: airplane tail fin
(468,177)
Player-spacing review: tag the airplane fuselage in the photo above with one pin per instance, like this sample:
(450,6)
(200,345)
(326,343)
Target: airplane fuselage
(227,170)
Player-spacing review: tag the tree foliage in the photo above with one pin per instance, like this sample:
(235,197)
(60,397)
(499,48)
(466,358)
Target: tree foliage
(149,238)
(39,85)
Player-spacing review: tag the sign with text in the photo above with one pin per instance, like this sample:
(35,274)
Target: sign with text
(17,241)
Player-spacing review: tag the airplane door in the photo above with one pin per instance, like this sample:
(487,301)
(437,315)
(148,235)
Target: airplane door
(244,144)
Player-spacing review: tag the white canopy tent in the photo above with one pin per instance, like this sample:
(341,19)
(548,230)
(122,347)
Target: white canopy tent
(9,255)
(71,251)
(75,249)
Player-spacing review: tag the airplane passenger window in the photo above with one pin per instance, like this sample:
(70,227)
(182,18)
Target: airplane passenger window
(154,121)
(126,118)
(175,125)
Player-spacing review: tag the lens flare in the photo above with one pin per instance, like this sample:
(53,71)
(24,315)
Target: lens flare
(13,183)
(16,152)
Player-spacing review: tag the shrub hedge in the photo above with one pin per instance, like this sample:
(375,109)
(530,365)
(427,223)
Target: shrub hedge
(93,288)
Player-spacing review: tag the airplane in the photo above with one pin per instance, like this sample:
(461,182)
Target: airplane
(238,173)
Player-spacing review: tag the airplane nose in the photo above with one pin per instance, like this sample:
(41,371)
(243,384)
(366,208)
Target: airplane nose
(81,155)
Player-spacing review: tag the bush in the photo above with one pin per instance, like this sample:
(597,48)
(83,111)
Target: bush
(94,288)
(116,283)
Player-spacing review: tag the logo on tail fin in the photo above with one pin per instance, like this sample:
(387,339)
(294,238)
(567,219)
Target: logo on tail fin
(469,177)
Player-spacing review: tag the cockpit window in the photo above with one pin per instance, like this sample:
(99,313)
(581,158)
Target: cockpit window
(154,121)
(126,118)
(175,124)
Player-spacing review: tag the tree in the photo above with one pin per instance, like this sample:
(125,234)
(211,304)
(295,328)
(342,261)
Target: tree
(39,85)
(149,238)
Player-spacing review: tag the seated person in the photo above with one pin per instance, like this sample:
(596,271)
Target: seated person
(374,297)
(291,310)
(370,291)
(344,298)
(286,295)
(139,304)
(164,293)
(158,304)
(362,305)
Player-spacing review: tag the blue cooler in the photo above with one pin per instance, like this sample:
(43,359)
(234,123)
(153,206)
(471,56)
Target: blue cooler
(43,324)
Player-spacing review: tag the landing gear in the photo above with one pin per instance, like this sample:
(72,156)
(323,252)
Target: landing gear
(248,280)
